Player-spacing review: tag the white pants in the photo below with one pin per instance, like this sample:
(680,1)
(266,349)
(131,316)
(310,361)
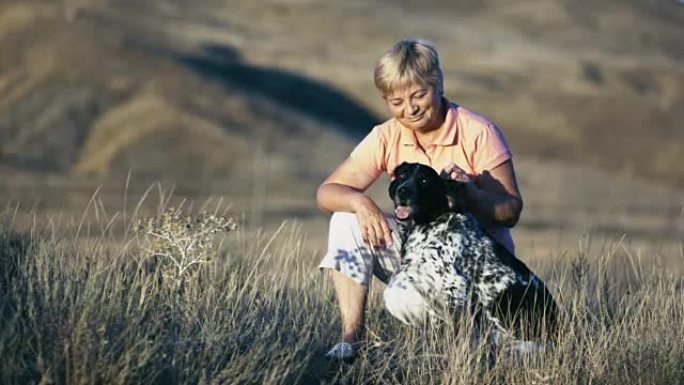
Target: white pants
(348,254)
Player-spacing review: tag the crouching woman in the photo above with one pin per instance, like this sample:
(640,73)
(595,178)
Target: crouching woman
(425,128)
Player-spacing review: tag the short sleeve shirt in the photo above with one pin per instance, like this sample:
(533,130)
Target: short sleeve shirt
(467,139)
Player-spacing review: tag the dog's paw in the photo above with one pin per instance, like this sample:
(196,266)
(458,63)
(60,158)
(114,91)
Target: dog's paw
(523,351)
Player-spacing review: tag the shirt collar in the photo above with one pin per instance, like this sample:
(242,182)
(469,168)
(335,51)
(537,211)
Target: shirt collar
(448,130)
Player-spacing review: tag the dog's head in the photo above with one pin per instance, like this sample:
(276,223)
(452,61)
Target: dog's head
(420,195)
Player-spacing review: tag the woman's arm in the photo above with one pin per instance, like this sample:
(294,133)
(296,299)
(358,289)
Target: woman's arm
(495,200)
(344,190)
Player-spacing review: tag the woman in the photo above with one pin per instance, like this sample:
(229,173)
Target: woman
(425,128)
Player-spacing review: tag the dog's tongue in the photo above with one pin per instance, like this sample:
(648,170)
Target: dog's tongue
(402,212)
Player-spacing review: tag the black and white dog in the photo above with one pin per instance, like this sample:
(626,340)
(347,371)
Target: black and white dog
(449,260)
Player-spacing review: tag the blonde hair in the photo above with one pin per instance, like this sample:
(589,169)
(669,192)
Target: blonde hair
(410,61)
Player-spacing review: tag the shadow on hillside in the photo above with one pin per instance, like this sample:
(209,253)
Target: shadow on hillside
(308,96)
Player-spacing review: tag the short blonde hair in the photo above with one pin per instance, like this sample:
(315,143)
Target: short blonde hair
(410,61)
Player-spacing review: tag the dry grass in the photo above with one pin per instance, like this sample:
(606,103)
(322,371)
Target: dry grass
(90,304)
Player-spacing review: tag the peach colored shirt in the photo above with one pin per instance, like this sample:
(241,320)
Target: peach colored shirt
(467,139)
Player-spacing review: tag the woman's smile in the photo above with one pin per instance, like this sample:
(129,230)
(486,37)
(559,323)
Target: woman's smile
(417,118)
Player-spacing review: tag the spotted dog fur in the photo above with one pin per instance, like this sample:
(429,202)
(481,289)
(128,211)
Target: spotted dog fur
(451,262)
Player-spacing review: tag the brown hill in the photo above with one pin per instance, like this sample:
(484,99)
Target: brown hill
(98,95)
(89,86)
(258,100)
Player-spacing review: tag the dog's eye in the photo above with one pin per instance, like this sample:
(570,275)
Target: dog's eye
(423,181)
(401,176)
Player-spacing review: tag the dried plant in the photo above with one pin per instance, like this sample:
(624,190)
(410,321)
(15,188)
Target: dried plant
(181,242)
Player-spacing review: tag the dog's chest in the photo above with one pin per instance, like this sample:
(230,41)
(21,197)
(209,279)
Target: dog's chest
(454,246)
(444,240)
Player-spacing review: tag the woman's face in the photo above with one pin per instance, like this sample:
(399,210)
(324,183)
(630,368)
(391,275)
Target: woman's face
(417,107)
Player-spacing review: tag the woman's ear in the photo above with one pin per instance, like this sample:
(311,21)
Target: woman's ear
(455,194)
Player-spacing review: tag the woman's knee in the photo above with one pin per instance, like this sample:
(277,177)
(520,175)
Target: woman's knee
(340,221)
(348,253)
(344,254)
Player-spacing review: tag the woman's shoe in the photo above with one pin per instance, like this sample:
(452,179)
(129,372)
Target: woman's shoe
(342,351)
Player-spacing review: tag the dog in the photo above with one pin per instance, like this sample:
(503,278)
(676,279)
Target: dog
(448,258)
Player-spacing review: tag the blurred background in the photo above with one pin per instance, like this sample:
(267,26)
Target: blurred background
(257,101)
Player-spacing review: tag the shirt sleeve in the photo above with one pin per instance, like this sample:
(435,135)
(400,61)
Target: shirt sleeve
(369,155)
(491,149)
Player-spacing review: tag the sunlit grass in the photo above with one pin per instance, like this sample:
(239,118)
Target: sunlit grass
(88,304)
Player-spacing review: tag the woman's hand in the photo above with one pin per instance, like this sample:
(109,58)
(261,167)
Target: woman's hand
(453,172)
(470,193)
(495,200)
(344,190)
(375,230)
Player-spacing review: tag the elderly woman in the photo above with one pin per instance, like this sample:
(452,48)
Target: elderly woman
(425,128)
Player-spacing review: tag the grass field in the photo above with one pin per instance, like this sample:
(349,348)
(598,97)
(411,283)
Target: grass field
(92,300)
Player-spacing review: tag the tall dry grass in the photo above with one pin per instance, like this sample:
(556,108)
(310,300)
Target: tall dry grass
(91,304)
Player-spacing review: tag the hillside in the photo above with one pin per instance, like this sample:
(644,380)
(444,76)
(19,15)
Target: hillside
(258,101)
(97,97)
(87,84)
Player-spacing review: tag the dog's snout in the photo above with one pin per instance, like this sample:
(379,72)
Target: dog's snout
(403,193)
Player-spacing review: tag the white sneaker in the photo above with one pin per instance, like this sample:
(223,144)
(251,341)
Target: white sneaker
(341,351)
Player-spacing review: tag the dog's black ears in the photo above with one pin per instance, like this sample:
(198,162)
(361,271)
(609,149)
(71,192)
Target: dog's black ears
(397,170)
(400,168)
(456,195)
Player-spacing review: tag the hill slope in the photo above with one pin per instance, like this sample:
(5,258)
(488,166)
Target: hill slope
(99,96)
(597,83)
(260,100)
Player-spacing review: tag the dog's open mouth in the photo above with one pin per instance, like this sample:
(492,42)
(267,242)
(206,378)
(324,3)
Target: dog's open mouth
(402,212)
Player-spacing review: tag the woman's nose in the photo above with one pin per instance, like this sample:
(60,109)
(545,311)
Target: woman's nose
(413,107)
